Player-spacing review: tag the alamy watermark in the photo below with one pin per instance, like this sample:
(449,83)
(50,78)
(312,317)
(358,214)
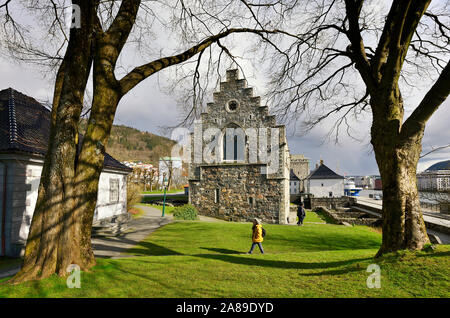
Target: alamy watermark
(74,279)
(73,16)
(374,279)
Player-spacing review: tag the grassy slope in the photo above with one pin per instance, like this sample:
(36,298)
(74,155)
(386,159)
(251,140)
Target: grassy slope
(203,259)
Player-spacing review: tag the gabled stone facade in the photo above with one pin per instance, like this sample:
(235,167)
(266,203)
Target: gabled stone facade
(229,177)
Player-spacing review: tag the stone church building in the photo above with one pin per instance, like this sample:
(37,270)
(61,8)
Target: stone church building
(240,161)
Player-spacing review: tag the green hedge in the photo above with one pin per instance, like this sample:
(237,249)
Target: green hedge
(185,212)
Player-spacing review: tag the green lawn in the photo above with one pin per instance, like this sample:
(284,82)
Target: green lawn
(313,217)
(162,191)
(206,259)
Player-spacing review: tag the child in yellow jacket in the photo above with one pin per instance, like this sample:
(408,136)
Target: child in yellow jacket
(257,237)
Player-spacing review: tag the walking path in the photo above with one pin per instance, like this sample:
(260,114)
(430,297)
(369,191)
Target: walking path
(139,229)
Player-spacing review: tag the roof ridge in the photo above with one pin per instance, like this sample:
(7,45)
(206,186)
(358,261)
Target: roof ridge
(324,172)
(12,117)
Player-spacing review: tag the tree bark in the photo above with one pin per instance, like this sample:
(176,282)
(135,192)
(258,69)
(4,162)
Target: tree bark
(90,162)
(53,240)
(397,158)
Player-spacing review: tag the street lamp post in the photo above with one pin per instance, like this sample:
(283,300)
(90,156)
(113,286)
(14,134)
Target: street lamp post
(165,187)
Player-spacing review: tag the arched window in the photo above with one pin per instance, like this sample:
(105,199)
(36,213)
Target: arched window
(233,143)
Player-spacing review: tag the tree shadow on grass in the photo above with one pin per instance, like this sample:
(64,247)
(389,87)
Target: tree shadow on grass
(150,249)
(336,272)
(435,254)
(279,264)
(222,250)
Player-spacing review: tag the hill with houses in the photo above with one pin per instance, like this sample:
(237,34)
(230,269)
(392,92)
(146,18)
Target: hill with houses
(131,144)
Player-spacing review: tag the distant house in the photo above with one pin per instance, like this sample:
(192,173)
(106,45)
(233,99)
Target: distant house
(25,125)
(324,182)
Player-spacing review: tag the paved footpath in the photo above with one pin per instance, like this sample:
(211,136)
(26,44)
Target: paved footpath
(138,229)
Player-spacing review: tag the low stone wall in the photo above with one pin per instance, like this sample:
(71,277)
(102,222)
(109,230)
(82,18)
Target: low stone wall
(332,203)
(295,198)
(327,213)
(366,221)
(354,218)
(112,226)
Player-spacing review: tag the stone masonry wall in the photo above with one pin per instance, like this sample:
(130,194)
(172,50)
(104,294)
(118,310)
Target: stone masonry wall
(332,203)
(236,193)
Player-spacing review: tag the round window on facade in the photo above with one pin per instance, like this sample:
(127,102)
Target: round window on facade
(232,105)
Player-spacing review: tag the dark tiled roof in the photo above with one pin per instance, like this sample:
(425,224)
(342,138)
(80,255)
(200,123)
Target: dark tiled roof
(323,172)
(293,176)
(25,127)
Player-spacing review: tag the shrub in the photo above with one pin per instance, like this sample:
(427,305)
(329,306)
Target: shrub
(133,195)
(185,212)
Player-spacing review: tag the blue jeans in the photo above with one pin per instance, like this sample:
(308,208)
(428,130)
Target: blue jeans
(259,245)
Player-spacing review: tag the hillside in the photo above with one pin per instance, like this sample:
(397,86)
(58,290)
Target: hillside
(126,143)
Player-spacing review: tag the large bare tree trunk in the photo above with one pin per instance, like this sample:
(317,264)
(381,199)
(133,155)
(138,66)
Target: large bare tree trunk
(53,241)
(91,160)
(397,158)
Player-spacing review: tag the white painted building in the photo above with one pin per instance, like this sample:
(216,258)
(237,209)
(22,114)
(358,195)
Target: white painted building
(438,180)
(323,182)
(22,149)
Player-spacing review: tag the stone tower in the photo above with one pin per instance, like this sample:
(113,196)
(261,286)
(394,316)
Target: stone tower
(300,166)
(239,166)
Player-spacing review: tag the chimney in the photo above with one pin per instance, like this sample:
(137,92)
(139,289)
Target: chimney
(317,165)
(321,162)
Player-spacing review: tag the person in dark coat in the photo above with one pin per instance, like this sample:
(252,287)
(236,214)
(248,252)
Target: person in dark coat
(300,214)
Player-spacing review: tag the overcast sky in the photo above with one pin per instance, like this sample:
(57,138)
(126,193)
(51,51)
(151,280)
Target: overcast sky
(148,108)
